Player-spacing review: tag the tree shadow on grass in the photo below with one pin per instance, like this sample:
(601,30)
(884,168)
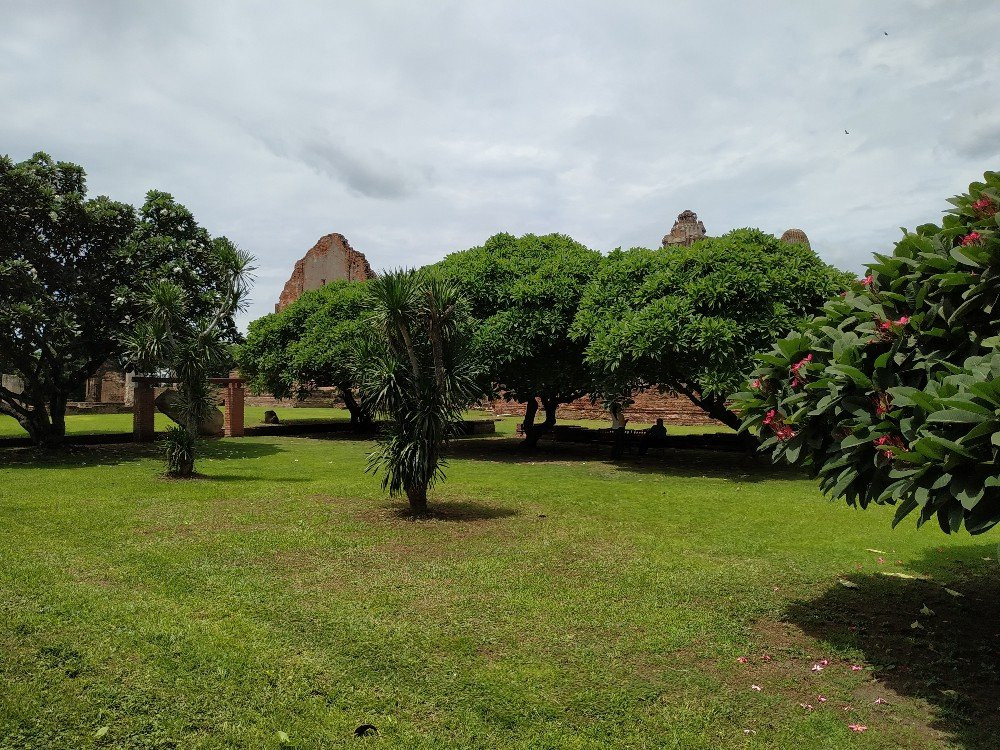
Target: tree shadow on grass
(952,661)
(735,465)
(75,456)
(454,510)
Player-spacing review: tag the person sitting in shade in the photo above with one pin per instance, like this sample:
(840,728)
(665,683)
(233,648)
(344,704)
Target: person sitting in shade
(655,436)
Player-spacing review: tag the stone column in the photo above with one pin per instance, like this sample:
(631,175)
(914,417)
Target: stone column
(143,411)
(233,426)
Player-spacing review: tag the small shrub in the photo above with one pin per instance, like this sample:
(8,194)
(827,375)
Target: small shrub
(179,447)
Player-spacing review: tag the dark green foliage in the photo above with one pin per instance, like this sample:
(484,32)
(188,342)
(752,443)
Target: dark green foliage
(63,276)
(523,294)
(309,344)
(73,271)
(892,394)
(416,373)
(691,319)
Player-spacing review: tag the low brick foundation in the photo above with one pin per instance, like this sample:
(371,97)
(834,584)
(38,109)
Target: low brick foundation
(648,407)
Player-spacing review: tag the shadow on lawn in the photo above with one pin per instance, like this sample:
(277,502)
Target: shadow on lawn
(735,465)
(455,510)
(76,456)
(953,662)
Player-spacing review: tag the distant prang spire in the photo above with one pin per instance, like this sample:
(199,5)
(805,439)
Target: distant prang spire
(686,230)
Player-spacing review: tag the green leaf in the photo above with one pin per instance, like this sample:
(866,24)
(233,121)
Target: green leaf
(956,416)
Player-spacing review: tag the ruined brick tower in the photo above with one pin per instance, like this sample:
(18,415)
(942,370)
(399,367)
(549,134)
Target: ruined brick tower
(686,230)
(330,259)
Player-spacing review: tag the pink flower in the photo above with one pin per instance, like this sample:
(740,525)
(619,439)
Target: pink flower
(856,667)
(824,662)
(817,668)
(857,727)
(970,239)
(755,384)
(742,660)
(868,280)
(769,417)
(881,701)
(903,321)
(892,443)
(784,433)
(766,657)
(821,698)
(984,207)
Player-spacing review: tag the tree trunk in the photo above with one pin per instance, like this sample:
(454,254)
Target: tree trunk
(417,496)
(360,419)
(618,419)
(46,426)
(716,409)
(533,432)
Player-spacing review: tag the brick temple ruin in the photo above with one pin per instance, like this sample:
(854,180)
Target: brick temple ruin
(331,259)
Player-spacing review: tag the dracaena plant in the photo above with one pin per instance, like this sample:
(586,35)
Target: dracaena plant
(416,373)
(891,395)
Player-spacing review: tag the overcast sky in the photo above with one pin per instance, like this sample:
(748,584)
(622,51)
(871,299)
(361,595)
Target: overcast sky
(417,129)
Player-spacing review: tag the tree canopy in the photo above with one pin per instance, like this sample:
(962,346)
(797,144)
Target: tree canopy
(691,319)
(891,395)
(73,269)
(309,344)
(523,295)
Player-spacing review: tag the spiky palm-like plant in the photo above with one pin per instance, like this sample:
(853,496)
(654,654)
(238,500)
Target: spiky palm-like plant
(170,337)
(415,372)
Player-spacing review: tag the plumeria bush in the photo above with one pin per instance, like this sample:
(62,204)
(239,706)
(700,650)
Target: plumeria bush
(892,394)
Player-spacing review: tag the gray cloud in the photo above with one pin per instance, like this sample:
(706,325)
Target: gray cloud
(420,129)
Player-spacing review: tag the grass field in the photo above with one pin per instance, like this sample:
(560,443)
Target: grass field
(104,424)
(556,600)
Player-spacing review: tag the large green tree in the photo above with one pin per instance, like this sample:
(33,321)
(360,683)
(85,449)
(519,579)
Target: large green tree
(691,319)
(72,270)
(891,395)
(523,294)
(309,344)
(417,374)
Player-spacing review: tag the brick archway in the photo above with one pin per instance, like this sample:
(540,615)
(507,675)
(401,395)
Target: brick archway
(144,408)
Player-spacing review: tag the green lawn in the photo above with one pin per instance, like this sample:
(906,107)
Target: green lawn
(557,600)
(103,424)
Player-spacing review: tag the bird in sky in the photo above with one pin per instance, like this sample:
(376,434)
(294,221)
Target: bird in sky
(846,133)
(886,33)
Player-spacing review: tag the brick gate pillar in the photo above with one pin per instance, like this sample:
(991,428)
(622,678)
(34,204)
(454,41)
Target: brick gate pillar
(233,426)
(143,411)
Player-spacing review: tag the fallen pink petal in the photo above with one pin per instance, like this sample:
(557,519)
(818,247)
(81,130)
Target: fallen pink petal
(742,660)
(857,727)
(856,667)
(881,702)
(821,698)
(758,688)
(766,657)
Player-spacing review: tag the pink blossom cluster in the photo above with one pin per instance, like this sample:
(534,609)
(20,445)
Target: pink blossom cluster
(883,404)
(797,377)
(971,238)
(892,443)
(984,207)
(888,325)
(868,280)
(781,430)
